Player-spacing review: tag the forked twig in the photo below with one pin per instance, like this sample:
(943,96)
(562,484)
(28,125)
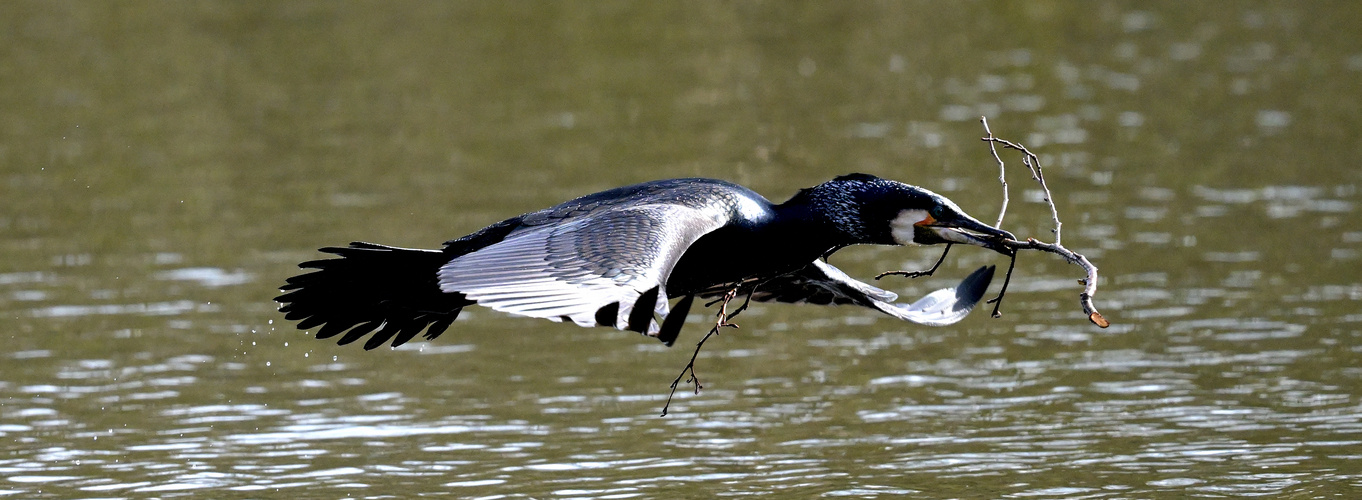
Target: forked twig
(1032,162)
(719,324)
(1007,278)
(918,274)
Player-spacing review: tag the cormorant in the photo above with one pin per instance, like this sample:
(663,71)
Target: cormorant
(614,258)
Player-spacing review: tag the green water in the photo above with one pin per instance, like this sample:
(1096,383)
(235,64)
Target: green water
(164,166)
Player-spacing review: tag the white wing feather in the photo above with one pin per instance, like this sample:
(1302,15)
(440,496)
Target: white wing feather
(822,283)
(572,270)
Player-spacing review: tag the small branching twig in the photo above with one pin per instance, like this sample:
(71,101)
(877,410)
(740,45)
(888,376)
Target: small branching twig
(1007,278)
(1032,162)
(1002,172)
(918,274)
(719,324)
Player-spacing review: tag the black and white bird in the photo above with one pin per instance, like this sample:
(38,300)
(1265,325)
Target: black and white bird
(616,257)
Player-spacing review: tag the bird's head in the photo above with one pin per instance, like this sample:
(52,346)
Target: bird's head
(890,212)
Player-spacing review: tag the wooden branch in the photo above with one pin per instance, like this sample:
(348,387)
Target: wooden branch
(1089,283)
(719,324)
(1007,279)
(1032,162)
(919,274)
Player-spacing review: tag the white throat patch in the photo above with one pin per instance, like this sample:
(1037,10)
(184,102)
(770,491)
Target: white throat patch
(902,227)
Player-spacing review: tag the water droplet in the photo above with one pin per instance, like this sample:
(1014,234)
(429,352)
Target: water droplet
(1271,118)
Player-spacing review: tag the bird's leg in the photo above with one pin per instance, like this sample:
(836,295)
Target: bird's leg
(719,324)
(918,274)
(998,301)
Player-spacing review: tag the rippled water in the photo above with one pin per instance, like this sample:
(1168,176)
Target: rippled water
(165,166)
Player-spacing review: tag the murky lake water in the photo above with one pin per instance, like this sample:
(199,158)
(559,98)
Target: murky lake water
(165,165)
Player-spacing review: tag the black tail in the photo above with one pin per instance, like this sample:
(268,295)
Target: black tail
(393,290)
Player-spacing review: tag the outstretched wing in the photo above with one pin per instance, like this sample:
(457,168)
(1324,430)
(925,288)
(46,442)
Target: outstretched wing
(821,283)
(606,268)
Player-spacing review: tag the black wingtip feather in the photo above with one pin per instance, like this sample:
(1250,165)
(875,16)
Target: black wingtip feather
(642,314)
(671,327)
(368,246)
(367,286)
(358,332)
(383,334)
(608,315)
(974,287)
(335,327)
(439,326)
(311,322)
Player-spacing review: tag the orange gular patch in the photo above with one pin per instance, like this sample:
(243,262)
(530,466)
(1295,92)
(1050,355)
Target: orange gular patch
(925,222)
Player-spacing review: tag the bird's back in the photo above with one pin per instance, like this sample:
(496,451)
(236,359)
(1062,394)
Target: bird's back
(722,201)
(697,193)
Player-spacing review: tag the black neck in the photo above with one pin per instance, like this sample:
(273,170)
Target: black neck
(800,231)
(832,218)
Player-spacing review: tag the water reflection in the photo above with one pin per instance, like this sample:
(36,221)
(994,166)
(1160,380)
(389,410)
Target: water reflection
(1012,405)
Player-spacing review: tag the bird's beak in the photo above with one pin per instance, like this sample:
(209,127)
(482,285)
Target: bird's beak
(969,231)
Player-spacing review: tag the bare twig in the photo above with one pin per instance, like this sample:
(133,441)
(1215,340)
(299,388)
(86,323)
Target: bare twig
(998,301)
(1032,162)
(1089,283)
(1002,171)
(719,324)
(918,274)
